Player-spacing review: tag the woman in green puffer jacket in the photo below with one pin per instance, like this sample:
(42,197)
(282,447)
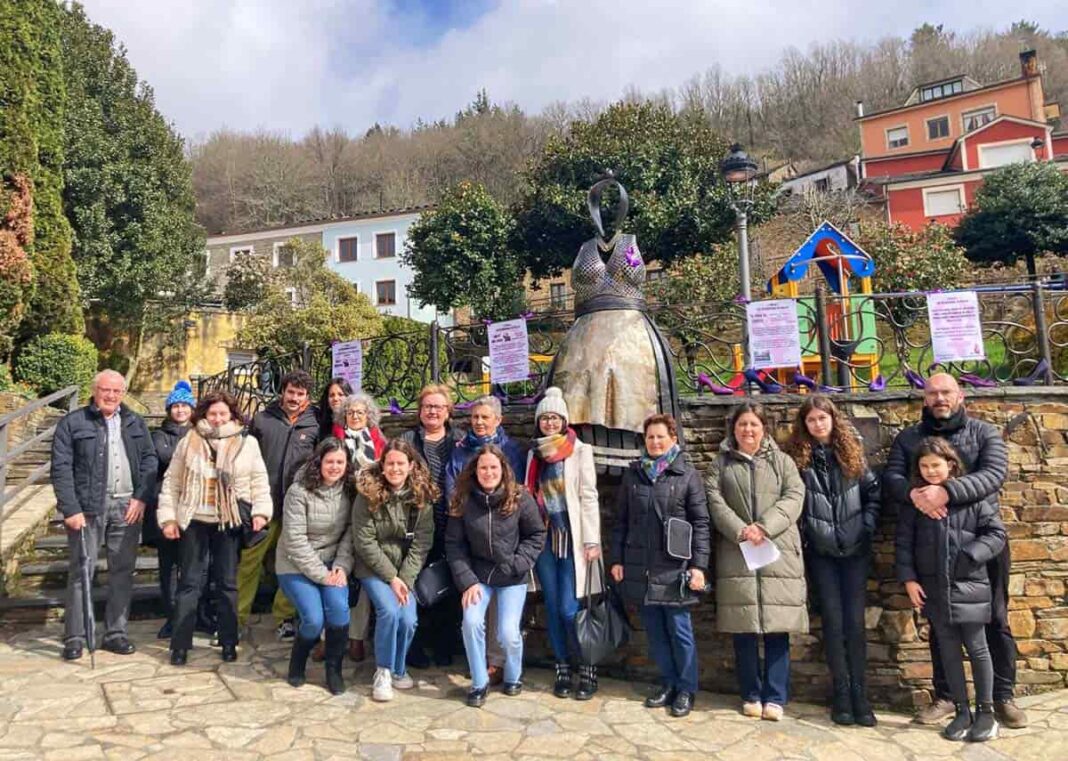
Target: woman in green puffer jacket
(392,532)
(755,495)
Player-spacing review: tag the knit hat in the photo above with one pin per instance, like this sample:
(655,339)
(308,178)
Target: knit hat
(553,402)
(182,394)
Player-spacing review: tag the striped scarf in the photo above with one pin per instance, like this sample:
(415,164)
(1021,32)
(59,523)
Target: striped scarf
(210,448)
(545,480)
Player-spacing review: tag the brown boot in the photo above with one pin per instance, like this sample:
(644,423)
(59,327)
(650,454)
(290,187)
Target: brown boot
(318,652)
(936,712)
(357,652)
(1009,714)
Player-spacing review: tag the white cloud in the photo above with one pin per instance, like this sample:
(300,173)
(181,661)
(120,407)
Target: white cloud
(287,65)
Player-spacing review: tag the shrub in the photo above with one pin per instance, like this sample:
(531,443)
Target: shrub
(56,360)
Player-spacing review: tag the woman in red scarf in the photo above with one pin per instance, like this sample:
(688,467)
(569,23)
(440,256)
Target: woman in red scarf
(562,479)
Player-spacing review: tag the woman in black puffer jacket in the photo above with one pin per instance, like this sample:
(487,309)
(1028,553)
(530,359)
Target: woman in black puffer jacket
(839,518)
(492,541)
(663,586)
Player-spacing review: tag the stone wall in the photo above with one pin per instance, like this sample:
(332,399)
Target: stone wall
(1034,507)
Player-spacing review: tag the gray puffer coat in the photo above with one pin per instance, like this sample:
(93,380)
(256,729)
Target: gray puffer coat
(764,489)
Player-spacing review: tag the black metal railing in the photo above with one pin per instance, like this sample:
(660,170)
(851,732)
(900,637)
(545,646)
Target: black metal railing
(856,343)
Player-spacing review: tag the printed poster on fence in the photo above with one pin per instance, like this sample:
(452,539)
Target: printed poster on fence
(774,334)
(348,362)
(509,351)
(956,330)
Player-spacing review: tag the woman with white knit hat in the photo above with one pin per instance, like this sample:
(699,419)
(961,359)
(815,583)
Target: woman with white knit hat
(561,476)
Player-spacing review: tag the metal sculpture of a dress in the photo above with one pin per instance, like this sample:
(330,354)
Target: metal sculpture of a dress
(613,366)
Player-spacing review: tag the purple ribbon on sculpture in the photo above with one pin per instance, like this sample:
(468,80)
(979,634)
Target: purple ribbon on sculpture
(394,407)
(632,256)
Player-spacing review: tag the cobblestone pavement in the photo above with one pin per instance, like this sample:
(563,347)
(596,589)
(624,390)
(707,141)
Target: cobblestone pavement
(139,707)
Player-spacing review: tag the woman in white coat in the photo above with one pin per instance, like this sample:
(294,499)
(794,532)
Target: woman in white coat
(561,477)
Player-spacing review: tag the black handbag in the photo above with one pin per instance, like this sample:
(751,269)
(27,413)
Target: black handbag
(249,537)
(678,536)
(434,582)
(601,625)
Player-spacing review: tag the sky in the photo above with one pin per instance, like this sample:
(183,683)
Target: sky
(288,65)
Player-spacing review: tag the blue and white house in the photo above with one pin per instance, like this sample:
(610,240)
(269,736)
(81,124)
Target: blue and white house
(366,250)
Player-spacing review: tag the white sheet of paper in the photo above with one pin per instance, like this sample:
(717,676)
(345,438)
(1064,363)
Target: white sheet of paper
(759,555)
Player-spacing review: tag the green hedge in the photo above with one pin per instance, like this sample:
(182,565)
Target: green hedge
(56,360)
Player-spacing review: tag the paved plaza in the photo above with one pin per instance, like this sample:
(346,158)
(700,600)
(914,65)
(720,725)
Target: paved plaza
(140,707)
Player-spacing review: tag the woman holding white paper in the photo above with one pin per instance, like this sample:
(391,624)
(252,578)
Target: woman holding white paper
(755,495)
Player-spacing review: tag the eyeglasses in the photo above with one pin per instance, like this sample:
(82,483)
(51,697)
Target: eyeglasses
(356,413)
(433,407)
(551,418)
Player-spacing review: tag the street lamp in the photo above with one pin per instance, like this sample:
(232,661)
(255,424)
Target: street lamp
(738,172)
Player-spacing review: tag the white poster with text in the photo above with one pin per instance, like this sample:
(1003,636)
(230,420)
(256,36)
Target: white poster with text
(348,362)
(774,334)
(509,351)
(956,330)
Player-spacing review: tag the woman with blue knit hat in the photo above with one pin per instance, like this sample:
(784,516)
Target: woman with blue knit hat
(179,409)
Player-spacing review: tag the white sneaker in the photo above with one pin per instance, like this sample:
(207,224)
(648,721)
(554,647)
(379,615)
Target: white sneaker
(382,687)
(403,681)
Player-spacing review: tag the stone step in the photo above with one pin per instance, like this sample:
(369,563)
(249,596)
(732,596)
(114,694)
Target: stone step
(59,567)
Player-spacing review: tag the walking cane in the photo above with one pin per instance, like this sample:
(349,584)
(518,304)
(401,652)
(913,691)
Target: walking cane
(87,602)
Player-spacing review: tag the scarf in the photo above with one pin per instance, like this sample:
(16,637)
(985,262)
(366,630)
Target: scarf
(933,426)
(361,446)
(217,448)
(545,480)
(473,442)
(654,467)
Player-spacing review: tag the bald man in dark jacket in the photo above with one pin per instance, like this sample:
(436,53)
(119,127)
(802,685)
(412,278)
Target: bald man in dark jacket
(986,459)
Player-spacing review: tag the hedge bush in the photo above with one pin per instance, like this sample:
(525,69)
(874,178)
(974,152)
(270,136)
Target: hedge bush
(56,360)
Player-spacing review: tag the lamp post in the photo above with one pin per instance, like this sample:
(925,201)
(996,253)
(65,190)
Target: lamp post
(738,171)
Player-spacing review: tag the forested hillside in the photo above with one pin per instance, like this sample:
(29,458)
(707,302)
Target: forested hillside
(800,110)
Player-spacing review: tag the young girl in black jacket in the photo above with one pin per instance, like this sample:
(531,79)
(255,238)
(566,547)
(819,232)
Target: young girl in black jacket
(943,566)
(839,518)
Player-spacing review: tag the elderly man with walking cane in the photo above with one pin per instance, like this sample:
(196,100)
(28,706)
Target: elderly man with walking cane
(103,471)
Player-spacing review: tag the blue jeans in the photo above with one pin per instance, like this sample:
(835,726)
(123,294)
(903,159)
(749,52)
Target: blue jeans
(510,601)
(557,579)
(772,684)
(394,627)
(671,645)
(316,604)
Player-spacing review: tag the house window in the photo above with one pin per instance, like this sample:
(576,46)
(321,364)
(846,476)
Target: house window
(822,185)
(944,90)
(236,251)
(236,357)
(292,294)
(973,120)
(898,137)
(943,201)
(385,245)
(386,292)
(938,128)
(558,295)
(654,275)
(991,156)
(347,249)
(283,255)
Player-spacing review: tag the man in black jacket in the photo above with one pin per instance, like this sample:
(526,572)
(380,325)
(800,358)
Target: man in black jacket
(985,456)
(287,431)
(103,472)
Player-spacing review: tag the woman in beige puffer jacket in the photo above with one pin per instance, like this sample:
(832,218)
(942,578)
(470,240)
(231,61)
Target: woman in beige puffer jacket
(755,494)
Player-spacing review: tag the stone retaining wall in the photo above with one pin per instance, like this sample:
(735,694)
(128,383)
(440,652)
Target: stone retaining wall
(1034,507)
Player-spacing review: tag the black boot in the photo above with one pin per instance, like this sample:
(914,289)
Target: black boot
(842,705)
(337,639)
(298,660)
(587,682)
(562,685)
(862,713)
(958,728)
(985,726)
